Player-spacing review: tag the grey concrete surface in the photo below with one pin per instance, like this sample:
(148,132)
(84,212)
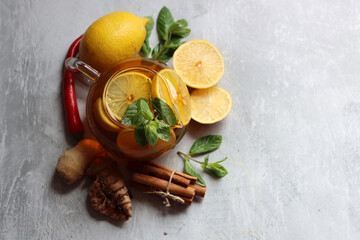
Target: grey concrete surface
(292,138)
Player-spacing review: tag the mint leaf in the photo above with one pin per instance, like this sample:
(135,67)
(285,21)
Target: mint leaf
(149,27)
(145,49)
(164,111)
(131,111)
(179,29)
(144,112)
(183,22)
(181,32)
(206,160)
(189,169)
(163,130)
(161,53)
(205,144)
(165,56)
(140,135)
(173,44)
(164,22)
(151,133)
(215,168)
(158,49)
(222,160)
(139,111)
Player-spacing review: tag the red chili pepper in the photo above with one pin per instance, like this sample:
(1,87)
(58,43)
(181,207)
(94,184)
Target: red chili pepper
(75,126)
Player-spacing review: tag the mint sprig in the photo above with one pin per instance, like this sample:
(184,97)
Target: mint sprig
(170,33)
(148,128)
(204,145)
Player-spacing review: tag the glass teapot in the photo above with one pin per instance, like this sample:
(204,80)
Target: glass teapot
(114,90)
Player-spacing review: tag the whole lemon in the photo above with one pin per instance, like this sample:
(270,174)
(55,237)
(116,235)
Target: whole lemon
(112,38)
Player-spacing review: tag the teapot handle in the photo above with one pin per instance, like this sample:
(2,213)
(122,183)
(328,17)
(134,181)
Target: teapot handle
(82,70)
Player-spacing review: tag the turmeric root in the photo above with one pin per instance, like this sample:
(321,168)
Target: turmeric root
(72,164)
(108,194)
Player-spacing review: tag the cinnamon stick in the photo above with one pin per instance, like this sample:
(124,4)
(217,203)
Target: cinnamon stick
(199,190)
(187,201)
(191,178)
(161,184)
(159,172)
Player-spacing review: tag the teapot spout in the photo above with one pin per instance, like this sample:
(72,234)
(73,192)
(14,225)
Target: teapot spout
(81,70)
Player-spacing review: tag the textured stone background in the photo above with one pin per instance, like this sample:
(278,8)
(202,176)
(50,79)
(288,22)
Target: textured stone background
(292,138)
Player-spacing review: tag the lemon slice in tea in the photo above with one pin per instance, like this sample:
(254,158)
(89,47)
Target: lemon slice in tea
(168,86)
(102,118)
(210,105)
(123,89)
(199,63)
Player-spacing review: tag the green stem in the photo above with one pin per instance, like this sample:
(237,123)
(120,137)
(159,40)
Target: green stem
(189,157)
(165,45)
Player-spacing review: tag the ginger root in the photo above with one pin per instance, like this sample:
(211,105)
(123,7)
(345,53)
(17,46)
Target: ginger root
(108,194)
(72,164)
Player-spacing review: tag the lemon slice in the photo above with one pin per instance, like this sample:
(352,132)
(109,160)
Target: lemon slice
(123,89)
(199,63)
(128,145)
(210,105)
(168,86)
(102,118)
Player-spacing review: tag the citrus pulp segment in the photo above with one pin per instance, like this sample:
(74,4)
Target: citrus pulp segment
(168,86)
(210,105)
(199,63)
(123,89)
(102,118)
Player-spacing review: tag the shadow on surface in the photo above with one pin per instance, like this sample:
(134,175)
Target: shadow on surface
(60,187)
(144,199)
(197,130)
